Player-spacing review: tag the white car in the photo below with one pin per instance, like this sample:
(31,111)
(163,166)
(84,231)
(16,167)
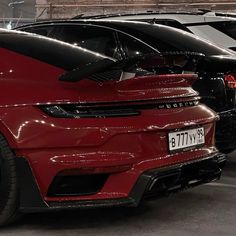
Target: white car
(208,25)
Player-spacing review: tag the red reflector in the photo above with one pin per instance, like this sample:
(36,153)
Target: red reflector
(230,81)
(95,170)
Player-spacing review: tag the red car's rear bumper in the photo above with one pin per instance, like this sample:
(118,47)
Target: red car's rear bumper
(86,160)
(154,182)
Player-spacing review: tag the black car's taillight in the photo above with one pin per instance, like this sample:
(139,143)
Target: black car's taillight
(230,81)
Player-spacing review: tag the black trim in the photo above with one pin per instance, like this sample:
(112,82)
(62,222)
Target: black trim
(171,180)
(30,197)
(197,23)
(60,112)
(92,204)
(111,110)
(198,12)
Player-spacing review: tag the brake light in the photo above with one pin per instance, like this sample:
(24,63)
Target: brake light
(230,81)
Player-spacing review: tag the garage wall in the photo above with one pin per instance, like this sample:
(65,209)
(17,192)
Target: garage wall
(207,4)
(31,10)
(68,8)
(16,11)
(17,8)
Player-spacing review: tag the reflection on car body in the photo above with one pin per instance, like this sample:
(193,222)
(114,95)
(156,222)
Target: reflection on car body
(93,141)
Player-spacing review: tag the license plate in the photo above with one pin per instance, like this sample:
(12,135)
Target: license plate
(186,139)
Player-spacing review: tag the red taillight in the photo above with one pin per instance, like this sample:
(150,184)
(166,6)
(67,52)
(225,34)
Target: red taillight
(230,81)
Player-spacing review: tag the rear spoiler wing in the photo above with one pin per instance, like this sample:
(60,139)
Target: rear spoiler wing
(106,69)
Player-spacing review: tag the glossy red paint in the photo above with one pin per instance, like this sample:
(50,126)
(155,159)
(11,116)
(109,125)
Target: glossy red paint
(52,145)
(34,82)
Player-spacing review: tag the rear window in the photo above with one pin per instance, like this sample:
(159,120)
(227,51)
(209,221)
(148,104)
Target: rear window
(168,39)
(41,30)
(226,27)
(96,39)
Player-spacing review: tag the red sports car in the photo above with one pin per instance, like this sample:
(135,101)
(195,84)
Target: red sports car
(76,131)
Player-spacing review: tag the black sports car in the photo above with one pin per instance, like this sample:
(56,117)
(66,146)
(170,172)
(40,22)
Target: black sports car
(121,39)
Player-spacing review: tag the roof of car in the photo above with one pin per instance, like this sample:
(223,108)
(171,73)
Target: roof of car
(119,25)
(82,20)
(103,16)
(151,34)
(184,17)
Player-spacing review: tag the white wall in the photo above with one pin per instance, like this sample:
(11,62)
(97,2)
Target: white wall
(41,12)
(16,13)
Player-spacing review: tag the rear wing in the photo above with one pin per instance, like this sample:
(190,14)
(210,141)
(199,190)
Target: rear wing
(175,62)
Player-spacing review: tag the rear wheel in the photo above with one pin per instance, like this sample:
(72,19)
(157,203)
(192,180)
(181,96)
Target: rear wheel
(8,184)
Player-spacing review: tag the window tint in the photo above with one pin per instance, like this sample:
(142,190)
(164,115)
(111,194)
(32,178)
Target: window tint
(93,38)
(133,47)
(45,31)
(167,39)
(226,27)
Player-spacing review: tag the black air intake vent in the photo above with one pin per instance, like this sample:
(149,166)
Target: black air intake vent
(77,185)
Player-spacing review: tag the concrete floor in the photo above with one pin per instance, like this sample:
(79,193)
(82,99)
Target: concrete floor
(206,210)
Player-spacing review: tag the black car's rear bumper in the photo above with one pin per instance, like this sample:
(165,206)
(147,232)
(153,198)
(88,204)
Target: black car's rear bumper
(157,182)
(226,131)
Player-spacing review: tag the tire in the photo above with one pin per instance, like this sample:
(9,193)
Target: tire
(9,194)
